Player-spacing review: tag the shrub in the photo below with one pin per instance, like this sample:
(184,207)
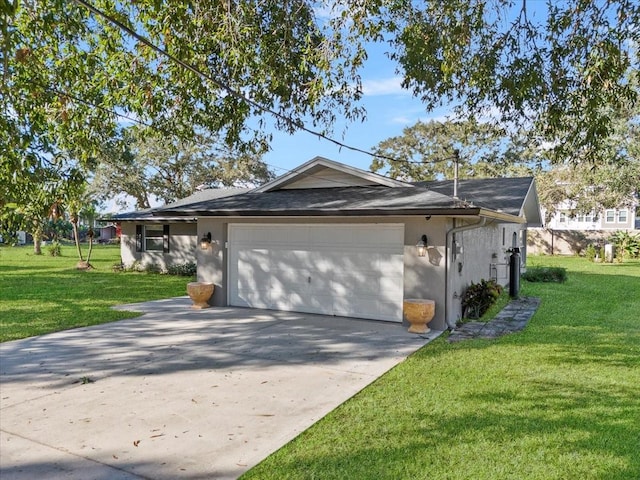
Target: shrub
(54,249)
(545,274)
(183,269)
(590,253)
(479,297)
(627,245)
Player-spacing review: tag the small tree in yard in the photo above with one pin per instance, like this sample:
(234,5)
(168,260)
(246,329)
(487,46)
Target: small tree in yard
(77,199)
(627,245)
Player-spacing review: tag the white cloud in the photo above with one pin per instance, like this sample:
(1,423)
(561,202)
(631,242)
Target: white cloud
(402,120)
(384,86)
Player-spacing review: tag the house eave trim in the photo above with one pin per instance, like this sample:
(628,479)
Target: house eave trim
(454,212)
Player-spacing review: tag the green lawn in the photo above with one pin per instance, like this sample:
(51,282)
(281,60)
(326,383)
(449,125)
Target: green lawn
(40,293)
(560,400)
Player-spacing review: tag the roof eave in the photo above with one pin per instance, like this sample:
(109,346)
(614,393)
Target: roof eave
(369,212)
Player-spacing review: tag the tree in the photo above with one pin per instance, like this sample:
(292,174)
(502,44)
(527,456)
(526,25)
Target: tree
(145,165)
(565,71)
(428,151)
(182,68)
(70,68)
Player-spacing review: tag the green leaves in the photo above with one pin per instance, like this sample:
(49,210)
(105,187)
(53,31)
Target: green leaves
(428,151)
(567,71)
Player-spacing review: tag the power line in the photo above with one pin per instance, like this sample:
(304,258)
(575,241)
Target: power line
(224,86)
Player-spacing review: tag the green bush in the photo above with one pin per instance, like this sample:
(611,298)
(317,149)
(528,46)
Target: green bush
(54,249)
(183,269)
(545,274)
(627,245)
(479,297)
(590,253)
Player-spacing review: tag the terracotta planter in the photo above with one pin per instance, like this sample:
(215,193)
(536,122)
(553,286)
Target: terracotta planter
(200,293)
(419,312)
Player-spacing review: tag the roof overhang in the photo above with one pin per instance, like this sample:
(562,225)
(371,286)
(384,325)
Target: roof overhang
(374,212)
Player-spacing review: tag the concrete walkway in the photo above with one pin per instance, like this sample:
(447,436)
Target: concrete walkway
(512,318)
(180,393)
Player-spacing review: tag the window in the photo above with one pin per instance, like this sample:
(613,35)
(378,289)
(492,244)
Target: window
(563,218)
(622,216)
(610,216)
(589,217)
(152,238)
(580,218)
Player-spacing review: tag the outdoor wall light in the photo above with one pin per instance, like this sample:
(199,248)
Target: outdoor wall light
(205,241)
(422,246)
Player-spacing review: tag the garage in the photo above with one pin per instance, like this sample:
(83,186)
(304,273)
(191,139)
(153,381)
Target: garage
(351,270)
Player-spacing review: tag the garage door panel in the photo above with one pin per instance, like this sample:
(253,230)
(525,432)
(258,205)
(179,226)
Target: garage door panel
(253,299)
(330,269)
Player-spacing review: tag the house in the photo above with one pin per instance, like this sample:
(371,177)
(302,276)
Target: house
(331,239)
(569,233)
(108,233)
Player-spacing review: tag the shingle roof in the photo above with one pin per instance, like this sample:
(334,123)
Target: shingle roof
(199,196)
(506,199)
(316,201)
(500,194)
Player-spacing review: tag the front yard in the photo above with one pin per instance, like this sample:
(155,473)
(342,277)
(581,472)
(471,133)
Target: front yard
(559,400)
(41,293)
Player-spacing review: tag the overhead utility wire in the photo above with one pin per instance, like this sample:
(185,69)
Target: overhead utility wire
(222,85)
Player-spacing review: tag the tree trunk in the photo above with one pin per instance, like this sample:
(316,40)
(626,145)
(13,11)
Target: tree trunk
(76,236)
(82,264)
(90,247)
(37,241)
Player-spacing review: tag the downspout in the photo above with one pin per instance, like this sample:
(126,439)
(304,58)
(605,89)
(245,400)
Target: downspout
(448,252)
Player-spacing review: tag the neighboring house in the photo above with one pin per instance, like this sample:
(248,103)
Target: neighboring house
(332,239)
(108,233)
(569,233)
(21,237)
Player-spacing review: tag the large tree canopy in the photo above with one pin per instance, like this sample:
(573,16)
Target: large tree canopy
(431,150)
(566,65)
(565,69)
(70,67)
(146,166)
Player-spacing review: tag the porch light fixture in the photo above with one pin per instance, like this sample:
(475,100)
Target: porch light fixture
(422,246)
(205,241)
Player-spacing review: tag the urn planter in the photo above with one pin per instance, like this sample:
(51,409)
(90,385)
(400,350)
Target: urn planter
(200,293)
(419,312)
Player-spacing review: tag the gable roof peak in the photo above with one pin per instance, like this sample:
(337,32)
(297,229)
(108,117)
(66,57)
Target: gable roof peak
(320,172)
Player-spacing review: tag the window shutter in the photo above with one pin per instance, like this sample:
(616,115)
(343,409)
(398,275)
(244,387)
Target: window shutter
(165,238)
(138,238)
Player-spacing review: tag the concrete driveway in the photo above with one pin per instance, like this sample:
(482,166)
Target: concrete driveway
(179,393)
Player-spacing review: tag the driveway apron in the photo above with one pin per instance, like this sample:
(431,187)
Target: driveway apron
(179,393)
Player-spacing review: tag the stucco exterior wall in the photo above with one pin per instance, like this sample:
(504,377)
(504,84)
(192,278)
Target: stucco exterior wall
(182,246)
(424,277)
(482,255)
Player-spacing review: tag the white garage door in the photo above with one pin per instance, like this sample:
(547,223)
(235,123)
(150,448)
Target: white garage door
(345,270)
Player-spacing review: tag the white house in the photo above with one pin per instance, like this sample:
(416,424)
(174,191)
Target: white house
(569,233)
(331,239)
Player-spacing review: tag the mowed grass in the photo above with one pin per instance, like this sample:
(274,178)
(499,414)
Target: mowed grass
(560,400)
(41,293)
